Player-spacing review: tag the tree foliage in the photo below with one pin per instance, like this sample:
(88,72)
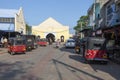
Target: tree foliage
(28,28)
(81,23)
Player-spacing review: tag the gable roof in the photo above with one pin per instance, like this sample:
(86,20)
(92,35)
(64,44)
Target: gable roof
(50,22)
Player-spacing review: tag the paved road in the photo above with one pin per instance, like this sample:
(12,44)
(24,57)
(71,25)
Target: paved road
(49,63)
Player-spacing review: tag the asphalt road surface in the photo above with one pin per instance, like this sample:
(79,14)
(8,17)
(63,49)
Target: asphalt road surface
(49,63)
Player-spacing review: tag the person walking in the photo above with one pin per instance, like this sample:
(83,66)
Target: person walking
(58,43)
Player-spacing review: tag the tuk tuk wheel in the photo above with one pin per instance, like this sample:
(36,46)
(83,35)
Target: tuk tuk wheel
(12,53)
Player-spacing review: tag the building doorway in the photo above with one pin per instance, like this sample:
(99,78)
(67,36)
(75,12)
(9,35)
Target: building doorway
(51,37)
(62,38)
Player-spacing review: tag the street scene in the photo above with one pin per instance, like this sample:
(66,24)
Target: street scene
(60,40)
(52,63)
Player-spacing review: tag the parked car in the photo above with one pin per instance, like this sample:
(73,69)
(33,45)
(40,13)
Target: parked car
(42,42)
(70,43)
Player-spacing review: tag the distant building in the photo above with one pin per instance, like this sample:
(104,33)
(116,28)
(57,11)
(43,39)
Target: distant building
(12,20)
(50,28)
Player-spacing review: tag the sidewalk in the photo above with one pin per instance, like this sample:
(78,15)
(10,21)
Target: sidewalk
(3,50)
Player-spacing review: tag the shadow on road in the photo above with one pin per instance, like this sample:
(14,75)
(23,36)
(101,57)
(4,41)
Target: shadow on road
(73,69)
(111,68)
(70,50)
(78,58)
(15,71)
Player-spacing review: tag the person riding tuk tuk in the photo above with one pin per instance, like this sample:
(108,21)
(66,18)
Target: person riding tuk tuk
(95,49)
(77,46)
(16,45)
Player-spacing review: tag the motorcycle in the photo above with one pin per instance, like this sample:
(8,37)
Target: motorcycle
(77,49)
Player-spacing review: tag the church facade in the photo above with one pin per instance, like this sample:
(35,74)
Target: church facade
(50,28)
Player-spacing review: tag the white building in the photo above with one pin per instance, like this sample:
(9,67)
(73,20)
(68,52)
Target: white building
(12,20)
(50,28)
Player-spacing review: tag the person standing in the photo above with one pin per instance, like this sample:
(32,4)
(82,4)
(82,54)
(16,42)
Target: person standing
(5,42)
(2,41)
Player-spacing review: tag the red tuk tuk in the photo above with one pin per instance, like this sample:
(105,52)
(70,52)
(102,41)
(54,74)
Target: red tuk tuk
(95,49)
(16,45)
(42,42)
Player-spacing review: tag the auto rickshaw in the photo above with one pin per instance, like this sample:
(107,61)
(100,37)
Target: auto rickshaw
(77,46)
(29,41)
(95,49)
(42,42)
(16,45)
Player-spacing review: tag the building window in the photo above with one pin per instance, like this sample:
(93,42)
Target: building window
(110,10)
(7,20)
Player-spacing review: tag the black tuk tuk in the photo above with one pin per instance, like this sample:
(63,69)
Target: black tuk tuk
(29,41)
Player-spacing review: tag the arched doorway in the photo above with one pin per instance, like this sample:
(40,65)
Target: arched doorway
(62,38)
(51,36)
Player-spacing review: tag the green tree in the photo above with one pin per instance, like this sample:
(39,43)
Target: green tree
(28,29)
(81,23)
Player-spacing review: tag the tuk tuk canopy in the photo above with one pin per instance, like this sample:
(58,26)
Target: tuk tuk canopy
(95,43)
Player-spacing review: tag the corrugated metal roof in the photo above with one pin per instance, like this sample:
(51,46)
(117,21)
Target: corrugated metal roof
(8,12)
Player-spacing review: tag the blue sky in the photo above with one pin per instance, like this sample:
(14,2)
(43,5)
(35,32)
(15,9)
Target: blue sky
(67,12)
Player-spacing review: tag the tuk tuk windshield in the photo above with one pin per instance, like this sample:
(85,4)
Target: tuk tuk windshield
(18,42)
(15,41)
(43,40)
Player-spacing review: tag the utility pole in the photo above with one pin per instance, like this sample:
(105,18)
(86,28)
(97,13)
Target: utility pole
(81,29)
